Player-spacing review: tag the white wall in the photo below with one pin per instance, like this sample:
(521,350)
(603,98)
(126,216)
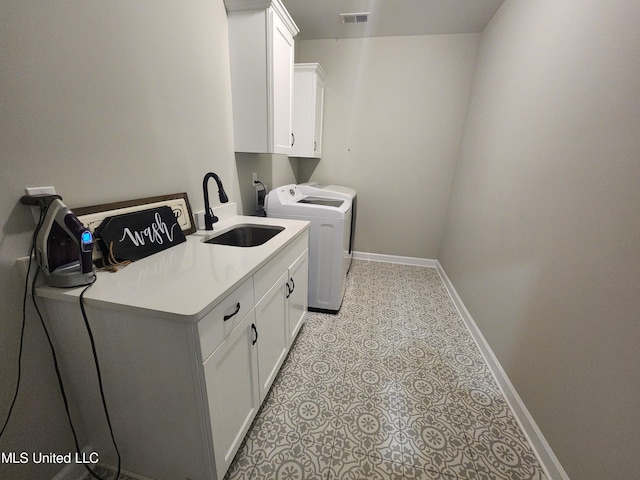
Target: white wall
(394,110)
(106,101)
(543,234)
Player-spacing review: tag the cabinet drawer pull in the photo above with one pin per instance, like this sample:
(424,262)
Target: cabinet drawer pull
(255,330)
(227,317)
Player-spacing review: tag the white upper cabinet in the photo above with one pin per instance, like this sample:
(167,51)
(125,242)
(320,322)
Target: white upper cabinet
(261,49)
(308,108)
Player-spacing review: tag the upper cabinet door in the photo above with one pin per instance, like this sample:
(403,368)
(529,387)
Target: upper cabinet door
(282,75)
(261,51)
(308,109)
(318,116)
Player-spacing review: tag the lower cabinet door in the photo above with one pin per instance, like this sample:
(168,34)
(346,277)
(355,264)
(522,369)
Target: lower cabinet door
(231,376)
(271,322)
(299,294)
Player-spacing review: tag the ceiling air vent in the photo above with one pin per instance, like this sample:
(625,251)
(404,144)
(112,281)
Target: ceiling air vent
(354,17)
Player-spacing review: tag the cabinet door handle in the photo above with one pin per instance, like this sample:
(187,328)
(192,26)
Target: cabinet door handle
(315,145)
(255,330)
(227,317)
(290,288)
(293,139)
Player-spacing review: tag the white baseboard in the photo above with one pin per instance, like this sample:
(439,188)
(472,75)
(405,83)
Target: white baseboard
(77,471)
(377,257)
(548,460)
(71,472)
(74,471)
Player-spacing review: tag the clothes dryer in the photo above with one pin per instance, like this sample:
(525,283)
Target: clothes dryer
(336,191)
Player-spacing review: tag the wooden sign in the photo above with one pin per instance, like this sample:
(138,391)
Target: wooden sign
(132,236)
(93,216)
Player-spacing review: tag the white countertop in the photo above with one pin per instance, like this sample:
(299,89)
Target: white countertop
(186,281)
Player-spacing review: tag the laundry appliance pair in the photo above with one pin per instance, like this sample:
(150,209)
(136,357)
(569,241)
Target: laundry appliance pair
(331,209)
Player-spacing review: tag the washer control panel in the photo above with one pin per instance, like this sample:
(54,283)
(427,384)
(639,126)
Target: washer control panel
(289,194)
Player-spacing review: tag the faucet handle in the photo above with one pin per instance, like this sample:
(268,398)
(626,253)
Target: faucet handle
(209,219)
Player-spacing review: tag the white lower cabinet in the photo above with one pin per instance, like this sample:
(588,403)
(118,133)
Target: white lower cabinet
(182,395)
(241,370)
(273,336)
(298,294)
(231,376)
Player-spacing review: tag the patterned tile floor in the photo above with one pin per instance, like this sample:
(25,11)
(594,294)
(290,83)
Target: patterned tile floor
(392,387)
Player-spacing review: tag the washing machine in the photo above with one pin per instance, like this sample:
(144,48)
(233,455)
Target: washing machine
(329,239)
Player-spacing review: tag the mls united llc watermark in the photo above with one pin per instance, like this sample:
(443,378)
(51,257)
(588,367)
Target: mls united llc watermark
(40,457)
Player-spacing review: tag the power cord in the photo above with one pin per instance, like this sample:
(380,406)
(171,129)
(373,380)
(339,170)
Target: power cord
(58,374)
(97,364)
(24,317)
(43,210)
(55,361)
(260,208)
(255,182)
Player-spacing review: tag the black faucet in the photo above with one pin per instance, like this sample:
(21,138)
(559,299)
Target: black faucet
(209,217)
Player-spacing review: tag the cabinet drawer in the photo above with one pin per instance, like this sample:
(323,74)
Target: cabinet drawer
(213,328)
(271,272)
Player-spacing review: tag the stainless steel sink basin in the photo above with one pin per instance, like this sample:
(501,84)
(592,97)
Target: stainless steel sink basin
(246,235)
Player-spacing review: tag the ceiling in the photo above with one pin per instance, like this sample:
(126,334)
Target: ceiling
(319,19)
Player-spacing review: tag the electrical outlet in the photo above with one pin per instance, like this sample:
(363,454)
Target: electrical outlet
(254,177)
(30,191)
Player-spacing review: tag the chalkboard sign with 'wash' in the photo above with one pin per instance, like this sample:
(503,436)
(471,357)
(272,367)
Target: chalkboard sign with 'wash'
(132,236)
